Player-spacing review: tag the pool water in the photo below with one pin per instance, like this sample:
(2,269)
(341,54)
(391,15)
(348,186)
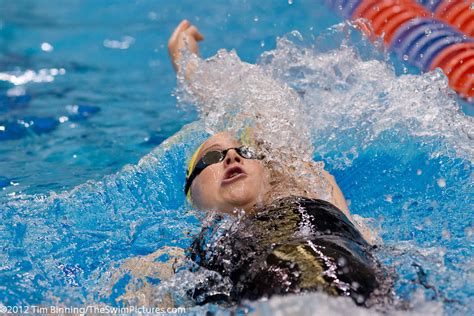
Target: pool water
(112,56)
(87,88)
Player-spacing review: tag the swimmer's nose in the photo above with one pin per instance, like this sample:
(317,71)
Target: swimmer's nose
(231,157)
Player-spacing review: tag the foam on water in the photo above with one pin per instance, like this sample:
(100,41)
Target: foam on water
(382,135)
(339,91)
(57,245)
(347,92)
(399,147)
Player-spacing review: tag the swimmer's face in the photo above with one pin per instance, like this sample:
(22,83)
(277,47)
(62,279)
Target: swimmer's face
(234,183)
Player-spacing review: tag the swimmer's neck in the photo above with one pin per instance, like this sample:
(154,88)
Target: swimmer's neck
(259,206)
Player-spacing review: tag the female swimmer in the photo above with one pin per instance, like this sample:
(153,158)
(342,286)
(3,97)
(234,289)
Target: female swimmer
(289,239)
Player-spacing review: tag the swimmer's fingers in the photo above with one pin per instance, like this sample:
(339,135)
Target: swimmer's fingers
(176,41)
(184,29)
(194,32)
(185,35)
(191,38)
(183,26)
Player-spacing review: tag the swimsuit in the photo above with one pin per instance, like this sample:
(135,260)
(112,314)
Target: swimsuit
(293,245)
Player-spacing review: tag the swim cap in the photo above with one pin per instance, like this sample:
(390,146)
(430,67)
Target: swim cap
(191,165)
(247,137)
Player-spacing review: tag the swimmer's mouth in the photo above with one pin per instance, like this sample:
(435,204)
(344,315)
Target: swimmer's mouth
(233,174)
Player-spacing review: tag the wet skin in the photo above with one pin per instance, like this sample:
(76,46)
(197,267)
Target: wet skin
(233,184)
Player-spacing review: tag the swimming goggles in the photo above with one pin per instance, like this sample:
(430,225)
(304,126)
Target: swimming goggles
(216,156)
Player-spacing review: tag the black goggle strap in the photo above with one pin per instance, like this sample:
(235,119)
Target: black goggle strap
(200,166)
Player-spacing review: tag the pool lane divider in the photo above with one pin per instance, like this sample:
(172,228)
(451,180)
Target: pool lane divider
(427,34)
(459,14)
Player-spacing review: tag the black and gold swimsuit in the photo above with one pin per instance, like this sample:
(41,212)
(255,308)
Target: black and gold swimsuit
(294,245)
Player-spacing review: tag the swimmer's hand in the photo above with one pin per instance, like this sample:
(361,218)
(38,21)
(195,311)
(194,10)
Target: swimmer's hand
(184,36)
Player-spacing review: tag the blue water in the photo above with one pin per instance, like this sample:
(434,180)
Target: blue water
(132,88)
(71,209)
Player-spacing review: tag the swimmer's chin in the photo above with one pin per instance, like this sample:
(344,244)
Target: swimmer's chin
(248,206)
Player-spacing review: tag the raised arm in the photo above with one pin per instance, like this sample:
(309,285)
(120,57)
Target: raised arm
(184,36)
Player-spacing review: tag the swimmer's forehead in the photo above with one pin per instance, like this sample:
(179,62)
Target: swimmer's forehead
(220,141)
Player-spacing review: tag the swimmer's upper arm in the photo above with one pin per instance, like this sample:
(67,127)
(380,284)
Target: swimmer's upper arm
(337,194)
(340,202)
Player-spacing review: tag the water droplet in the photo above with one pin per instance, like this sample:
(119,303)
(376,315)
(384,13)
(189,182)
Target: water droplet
(255,19)
(47,47)
(421,56)
(262,44)
(428,32)
(152,15)
(341,261)
(419,172)
(441,183)
(446,234)
(405,57)
(290,2)
(468,231)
